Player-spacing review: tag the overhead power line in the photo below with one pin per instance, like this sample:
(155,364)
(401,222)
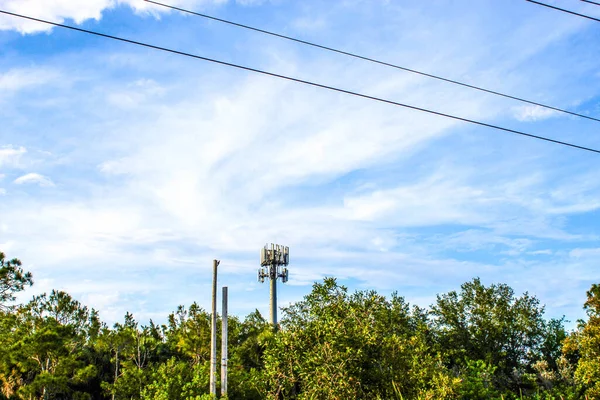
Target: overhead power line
(591,2)
(305,82)
(565,10)
(346,53)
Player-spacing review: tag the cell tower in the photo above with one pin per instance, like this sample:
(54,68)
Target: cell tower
(274,259)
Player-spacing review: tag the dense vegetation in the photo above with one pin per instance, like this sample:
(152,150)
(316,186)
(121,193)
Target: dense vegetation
(475,343)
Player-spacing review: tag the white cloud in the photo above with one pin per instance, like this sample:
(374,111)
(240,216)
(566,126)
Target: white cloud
(585,253)
(77,10)
(10,156)
(546,252)
(478,239)
(251,2)
(17,79)
(6,246)
(34,178)
(534,113)
(54,10)
(433,201)
(311,24)
(136,94)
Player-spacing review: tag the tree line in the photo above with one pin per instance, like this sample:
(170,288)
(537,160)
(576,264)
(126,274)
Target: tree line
(478,342)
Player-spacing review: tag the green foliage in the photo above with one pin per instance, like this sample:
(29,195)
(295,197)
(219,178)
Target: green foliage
(334,345)
(46,348)
(553,336)
(132,349)
(584,344)
(477,381)
(12,280)
(188,332)
(177,380)
(477,343)
(492,325)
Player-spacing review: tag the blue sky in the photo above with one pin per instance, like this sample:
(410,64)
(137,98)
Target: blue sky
(124,171)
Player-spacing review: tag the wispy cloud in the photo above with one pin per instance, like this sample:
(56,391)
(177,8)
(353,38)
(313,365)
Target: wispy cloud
(10,155)
(585,253)
(534,113)
(80,11)
(34,178)
(21,78)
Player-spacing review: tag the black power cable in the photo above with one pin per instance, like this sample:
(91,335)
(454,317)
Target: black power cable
(414,71)
(564,10)
(591,2)
(314,84)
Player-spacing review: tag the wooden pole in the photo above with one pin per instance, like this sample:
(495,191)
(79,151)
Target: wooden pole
(213,334)
(224,353)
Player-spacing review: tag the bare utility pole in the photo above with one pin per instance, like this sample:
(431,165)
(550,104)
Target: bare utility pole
(213,334)
(273,296)
(273,260)
(224,354)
